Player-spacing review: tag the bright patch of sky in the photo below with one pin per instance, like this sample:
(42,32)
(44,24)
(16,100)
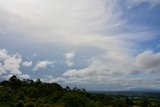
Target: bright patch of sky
(92,44)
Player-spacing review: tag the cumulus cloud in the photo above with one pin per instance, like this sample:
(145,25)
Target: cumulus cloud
(27,63)
(69,57)
(43,64)
(10,65)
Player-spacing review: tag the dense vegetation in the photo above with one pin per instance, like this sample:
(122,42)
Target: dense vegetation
(27,93)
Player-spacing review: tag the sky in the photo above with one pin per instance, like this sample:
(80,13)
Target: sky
(93,44)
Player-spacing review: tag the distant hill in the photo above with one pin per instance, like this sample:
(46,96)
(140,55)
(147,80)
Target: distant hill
(144,89)
(146,93)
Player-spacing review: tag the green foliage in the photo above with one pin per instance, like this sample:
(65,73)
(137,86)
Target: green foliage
(74,100)
(15,92)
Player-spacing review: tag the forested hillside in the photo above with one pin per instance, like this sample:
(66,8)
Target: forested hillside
(29,93)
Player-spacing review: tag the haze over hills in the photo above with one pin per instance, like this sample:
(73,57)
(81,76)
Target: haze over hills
(144,89)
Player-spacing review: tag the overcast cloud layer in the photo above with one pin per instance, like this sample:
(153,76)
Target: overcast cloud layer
(106,42)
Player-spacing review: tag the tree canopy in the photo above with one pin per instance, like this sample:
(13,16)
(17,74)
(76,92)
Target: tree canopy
(29,93)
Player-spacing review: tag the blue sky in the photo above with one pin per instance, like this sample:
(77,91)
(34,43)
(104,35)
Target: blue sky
(92,44)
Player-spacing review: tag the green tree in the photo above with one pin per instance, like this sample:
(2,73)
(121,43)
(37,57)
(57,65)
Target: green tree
(67,88)
(14,83)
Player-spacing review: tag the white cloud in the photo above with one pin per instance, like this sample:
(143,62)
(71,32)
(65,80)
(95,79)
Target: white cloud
(71,23)
(10,63)
(43,64)
(110,64)
(2,71)
(148,61)
(24,76)
(27,63)
(114,70)
(96,68)
(3,54)
(121,65)
(69,57)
